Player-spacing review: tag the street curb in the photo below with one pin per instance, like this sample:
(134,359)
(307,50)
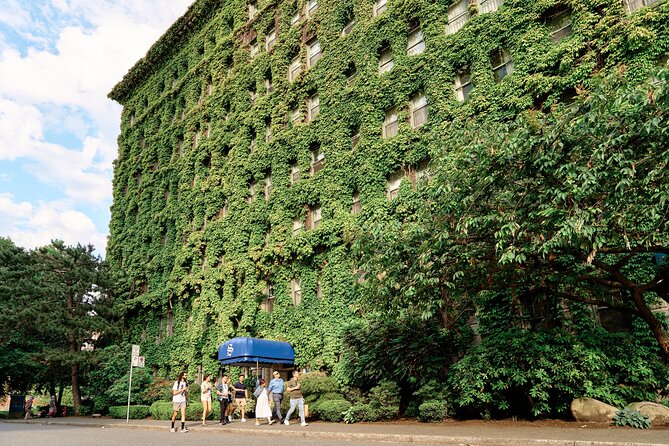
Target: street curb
(370,437)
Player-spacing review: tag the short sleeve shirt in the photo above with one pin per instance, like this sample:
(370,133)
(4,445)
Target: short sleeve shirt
(241,393)
(179,397)
(296,393)
(205,389)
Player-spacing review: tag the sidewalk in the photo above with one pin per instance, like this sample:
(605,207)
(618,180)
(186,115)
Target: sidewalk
(473,432)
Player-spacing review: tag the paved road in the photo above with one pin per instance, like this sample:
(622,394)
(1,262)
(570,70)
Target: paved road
(51,435)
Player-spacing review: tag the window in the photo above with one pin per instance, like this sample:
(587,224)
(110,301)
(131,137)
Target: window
(350,74)
(180,147)
(312,7)
(458,14)
(394,182)
(313,107)
(294,173)
(355,139)
(313,217)
(390,123)
(319,289)
(633,5)
(207,129)
(296,290)
(269,84)
(253,48)
(295,116)
(196,138)
(223,212)
(267,304)
(317,160)
(379,7)
(357,206)
(462,85)
(418,110)
(268,131)
(295,68)
(169,331)
(415,44)
(313,52)
(502,65)
(253,10)
(296,17)
(559,25)
(386,60)
(298,225)
(486,6)
(252,192)
(268,186)
(270,40)
(348,28)
(210,88)
(253,94)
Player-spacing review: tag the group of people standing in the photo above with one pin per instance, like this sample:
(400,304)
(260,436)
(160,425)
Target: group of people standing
(230,397)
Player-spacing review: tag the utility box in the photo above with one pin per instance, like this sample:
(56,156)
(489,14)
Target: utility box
(16,403)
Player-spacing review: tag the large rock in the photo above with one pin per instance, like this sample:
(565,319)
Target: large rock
(656,413)
(592,410)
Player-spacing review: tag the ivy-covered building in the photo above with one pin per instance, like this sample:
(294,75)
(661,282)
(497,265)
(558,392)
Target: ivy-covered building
(258,137)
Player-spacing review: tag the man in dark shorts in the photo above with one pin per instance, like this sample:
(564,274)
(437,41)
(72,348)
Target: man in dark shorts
(240,397)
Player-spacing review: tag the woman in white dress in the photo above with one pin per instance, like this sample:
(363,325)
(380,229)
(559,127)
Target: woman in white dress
(262,403)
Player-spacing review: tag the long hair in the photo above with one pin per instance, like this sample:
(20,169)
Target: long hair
(181,377)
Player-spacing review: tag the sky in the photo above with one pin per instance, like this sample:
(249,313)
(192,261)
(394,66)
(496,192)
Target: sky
(58,61)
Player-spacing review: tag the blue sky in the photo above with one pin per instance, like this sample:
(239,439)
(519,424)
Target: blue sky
(58,61)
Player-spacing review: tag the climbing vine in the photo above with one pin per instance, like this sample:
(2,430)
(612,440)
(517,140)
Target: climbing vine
(203,136)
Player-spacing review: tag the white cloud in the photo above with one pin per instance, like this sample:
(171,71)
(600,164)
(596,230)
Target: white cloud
(30,226)
(55,119)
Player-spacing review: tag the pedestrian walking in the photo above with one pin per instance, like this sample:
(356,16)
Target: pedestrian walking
(52,407)
(222,394)
(28,406)
(179,392)
(206,390)
(276,388)
(240,397)
(262,403)
(294,389)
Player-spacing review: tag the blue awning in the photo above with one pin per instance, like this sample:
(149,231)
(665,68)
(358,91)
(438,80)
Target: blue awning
(251,351)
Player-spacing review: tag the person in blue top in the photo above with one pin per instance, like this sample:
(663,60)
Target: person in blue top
(275,389)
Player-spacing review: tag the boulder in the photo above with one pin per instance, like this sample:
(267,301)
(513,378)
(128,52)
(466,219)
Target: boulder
(656,413)
(592,410)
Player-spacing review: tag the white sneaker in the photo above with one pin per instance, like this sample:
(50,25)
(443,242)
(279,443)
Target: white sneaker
(172,429)
(286,422)
(184,430)
(304,424)
(229,418)
(243,420)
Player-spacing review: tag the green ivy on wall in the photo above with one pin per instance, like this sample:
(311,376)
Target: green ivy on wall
(193,140)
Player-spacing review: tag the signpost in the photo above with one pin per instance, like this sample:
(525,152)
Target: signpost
(135,361)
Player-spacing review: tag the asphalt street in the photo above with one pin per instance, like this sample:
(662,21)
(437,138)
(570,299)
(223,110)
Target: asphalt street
(52,435)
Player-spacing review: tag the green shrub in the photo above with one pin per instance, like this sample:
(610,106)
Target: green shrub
(331,410)
(384,399)
(136,412)
(360,412)
(161,410)
(433,410)
(317,383)
(4,414)
(634,418)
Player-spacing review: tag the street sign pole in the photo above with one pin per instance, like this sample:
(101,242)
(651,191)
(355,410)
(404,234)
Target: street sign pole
(133,360)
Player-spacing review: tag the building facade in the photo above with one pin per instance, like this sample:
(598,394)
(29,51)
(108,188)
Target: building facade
(258,138)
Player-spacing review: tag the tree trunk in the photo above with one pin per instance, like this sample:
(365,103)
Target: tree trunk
(76,390)
(653,323)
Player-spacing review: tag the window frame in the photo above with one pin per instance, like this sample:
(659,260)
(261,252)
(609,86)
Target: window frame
(391,121)
(295,68)
(380,6)
(411,48)
(386,65)
(418,104)
(313,56)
